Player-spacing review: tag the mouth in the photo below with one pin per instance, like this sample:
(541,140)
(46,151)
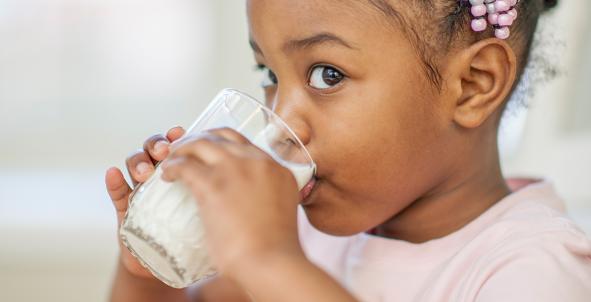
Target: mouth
(308,189)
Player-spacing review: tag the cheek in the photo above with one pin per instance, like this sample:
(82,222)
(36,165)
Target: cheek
(385,132)
(378,147)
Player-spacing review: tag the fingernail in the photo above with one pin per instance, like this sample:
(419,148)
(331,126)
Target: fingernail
(143,168)
(160,147)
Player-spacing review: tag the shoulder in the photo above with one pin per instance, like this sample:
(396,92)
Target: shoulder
(532,252)
(535,221)
(551,265)
(533,216)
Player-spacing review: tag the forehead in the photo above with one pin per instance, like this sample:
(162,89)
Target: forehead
(273,21)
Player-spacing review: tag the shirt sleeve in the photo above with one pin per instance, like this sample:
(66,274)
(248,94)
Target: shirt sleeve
(552,272)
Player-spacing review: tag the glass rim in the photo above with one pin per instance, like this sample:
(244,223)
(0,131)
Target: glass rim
(270,112)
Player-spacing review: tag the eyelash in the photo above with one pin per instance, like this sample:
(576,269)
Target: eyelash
(263,68)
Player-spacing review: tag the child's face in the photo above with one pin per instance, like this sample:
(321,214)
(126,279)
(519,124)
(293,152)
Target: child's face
(353,88)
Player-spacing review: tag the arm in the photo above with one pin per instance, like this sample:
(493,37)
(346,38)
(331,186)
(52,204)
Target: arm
(289,278)
(129,288)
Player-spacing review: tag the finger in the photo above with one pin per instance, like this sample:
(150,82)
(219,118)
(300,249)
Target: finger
(118,190)
(208,148)
(157,147)
(140,166)
(191,172)
(235,142)
(230,135)
(175,133)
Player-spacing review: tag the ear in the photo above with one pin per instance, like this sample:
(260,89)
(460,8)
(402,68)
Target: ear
(485,74)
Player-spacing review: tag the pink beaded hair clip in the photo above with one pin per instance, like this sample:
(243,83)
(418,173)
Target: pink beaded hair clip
(499,13)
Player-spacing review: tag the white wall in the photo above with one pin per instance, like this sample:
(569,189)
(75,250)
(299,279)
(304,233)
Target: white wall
(83,82)
(556,141)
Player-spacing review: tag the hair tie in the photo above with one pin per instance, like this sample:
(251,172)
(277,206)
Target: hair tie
(499,13)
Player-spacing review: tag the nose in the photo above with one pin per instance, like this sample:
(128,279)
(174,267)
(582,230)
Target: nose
(291,108)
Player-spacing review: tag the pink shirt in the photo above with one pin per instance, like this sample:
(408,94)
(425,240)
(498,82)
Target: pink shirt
(521,249)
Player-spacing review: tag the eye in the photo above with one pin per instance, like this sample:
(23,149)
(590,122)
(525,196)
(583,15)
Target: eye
(269,78)
(324,77)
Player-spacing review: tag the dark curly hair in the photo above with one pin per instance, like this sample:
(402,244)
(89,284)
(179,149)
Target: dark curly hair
(452,25)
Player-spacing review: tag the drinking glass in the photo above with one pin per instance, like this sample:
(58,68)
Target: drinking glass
(162,228)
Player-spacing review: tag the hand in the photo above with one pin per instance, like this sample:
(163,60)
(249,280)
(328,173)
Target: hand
(140,166)
(248,202)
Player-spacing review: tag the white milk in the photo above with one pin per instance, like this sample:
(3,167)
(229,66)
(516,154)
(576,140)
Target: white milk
(165,230)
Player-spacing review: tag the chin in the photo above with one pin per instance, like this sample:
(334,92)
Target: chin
(331,221)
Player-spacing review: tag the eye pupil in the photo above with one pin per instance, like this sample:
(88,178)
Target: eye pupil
(331,76)
(272,76)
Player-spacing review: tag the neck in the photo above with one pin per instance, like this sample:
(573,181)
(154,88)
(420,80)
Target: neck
(450,205)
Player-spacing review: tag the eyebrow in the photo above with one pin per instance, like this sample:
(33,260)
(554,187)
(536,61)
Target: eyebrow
(308,42)
(315,40)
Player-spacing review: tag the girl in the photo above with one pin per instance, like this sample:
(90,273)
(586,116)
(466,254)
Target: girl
(399,104)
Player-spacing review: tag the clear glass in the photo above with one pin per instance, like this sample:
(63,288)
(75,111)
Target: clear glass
(162,228)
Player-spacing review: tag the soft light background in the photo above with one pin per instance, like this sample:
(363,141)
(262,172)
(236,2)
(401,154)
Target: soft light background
(84,82)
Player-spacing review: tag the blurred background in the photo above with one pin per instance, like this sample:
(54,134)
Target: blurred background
(84,82)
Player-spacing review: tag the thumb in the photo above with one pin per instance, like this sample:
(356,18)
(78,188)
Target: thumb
(118,190)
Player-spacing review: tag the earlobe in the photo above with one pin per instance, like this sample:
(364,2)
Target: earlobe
(488,71)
